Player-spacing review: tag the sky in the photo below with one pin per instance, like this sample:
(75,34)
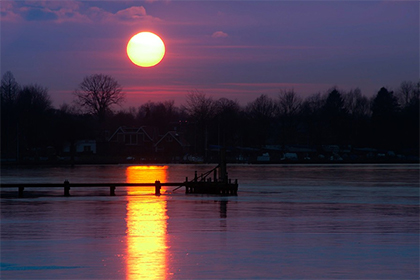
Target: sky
(233,49)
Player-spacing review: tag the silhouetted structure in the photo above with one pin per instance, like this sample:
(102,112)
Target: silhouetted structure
(288,129)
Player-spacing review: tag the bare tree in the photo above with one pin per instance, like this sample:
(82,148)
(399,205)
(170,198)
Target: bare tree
(97,93)
(8,93)
(200,110)
(33,99)
(261,108)
(406,92)
(356,104)
(227,119)
(158,114)
(289,103)
(9,89)
(33,108)
(260,114)
(199,106)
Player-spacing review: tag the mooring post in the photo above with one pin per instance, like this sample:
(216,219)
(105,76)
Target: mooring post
(21,191)
(157,187)
(112,190)
(66,188)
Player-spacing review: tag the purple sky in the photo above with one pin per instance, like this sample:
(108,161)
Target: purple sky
(233,49)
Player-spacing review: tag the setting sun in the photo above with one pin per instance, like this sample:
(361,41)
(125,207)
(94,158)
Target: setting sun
(145,49)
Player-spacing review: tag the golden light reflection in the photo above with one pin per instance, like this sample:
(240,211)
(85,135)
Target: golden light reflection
(146,225)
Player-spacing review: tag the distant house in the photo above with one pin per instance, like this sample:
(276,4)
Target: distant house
(171,146)
(264,157)
(132,141)
(131,136)
(81,147)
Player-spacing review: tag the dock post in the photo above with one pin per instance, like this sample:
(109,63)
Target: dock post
(112,190)
(186,184)
(21,191)
(157,188)
(66,188)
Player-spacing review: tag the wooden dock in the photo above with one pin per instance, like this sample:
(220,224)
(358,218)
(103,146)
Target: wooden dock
(67,186)
(215,181)
(192,187)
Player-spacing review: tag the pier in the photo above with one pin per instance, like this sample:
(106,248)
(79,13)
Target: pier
(67,186)
(214,181)
(191,187)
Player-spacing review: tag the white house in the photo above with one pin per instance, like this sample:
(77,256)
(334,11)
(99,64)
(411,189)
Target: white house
(82,146)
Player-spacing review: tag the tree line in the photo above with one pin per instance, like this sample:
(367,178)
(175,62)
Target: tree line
(389,120)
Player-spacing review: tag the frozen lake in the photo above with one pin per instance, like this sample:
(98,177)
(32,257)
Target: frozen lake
(288,221)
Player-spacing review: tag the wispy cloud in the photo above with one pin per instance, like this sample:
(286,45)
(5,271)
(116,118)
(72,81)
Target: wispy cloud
(219,34)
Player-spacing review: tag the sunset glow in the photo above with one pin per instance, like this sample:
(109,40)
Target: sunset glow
(220,47)
(145,49)
(146,225)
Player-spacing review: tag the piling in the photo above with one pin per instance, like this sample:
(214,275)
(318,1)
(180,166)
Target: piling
(21,191)
(66,188)
(157,188)
(112,190)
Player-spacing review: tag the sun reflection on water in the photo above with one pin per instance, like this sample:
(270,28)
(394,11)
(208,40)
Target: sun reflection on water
(146,225)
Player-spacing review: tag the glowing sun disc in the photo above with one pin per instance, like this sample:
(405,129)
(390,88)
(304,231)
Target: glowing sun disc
(145,49)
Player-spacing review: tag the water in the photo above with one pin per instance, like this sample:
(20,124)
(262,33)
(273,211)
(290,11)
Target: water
(287,222)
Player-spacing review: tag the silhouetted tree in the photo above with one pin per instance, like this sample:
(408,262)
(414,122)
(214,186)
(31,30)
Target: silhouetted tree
(406,91)
(8,92)
(97,93)
(388,121)
(356,104)
(409,123)
(260,114)
(9,89)
(289,105)
(385,110)
(227,121)
(157,114)
(334,119)
(385,105)
(199,106)
(200,109)
(311,114)
(34,99)
(69,126)
(34,118)
(358,108)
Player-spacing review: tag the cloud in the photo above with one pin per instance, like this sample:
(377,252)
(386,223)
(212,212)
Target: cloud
(7,11)
(65,11)
(219,34)
(131,13)
(40,15)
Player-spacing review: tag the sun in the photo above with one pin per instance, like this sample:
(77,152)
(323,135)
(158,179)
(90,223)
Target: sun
(145,49)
